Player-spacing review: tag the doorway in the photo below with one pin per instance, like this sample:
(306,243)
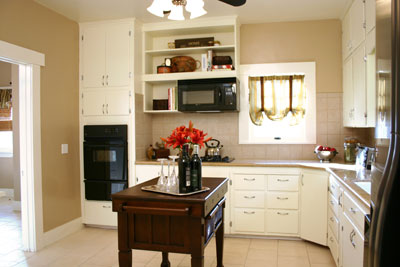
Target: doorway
(29,63)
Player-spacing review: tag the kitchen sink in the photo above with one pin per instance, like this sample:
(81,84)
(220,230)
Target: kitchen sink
(366,186)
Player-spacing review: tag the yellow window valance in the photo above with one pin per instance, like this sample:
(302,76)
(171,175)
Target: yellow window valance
(277,97)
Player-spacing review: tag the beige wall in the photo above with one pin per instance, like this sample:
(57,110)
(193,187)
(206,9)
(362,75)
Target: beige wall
(318,41)
(30,25)
(6,173)
(5,74)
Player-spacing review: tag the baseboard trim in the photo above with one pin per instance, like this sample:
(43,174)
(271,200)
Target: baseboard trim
(16,205)
(7,192)
(62,231)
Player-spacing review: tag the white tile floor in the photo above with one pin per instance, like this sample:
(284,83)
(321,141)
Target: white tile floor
(93,247)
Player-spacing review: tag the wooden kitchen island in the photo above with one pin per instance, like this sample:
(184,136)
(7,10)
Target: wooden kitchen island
(159,222)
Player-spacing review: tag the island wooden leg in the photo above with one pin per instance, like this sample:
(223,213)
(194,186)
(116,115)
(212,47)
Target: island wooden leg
(165,262)
(125,253)
(219,239)
(196,241)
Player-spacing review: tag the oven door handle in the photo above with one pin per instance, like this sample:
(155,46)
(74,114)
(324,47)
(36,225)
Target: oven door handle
(103,144)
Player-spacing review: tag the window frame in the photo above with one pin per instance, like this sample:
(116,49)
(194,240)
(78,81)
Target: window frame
(309,135)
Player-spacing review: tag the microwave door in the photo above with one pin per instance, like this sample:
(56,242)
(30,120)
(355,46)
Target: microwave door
(199,97)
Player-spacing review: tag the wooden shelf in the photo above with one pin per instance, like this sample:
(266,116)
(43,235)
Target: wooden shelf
(193,50)
(159,78)
(161,111)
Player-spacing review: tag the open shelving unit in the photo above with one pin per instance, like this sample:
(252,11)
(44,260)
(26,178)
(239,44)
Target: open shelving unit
(156,37)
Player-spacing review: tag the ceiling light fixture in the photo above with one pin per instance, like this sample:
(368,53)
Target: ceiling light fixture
(175,8)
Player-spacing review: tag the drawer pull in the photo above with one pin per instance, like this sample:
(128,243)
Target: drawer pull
(352,234)
(283,213)
(282,198)
(250,180)
(353,210)
(331,218)
(248,212)
(333,187)
(250,197)
(332,202)
(283,180)
(340,200)
(106,207)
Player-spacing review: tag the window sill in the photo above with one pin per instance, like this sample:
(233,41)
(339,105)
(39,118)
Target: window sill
(6,154)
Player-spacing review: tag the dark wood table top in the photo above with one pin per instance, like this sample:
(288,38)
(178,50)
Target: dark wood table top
(136,193)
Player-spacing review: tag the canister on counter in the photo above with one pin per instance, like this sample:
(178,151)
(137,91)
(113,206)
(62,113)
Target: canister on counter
(350,149)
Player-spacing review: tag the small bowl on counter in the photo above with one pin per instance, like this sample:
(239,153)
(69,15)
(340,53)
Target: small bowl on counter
(325,154)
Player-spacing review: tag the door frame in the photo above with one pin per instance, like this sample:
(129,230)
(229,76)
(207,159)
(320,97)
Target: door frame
(29,62)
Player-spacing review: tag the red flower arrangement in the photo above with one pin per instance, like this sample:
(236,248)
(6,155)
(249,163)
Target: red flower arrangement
(182,135)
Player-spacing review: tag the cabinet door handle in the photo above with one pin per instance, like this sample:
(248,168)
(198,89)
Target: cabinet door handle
(331,239)
(248,212)
(283,180)
(282,198)
(250,197)
(107,79)
(340,200)
(103,108)
(107,108)
(331,218)
(353,210)
(333,187)
(250,180)
(302,179)
(102,81)
(282,213)
(352,234)
(106,207)
(332,202)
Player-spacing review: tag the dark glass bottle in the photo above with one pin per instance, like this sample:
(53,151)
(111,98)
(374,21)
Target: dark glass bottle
(195,165)
(184,171)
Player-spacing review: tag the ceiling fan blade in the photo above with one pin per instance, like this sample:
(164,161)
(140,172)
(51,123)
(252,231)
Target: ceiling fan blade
(234,2)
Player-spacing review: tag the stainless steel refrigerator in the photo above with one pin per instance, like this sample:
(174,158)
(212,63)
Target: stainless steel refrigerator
(384,231)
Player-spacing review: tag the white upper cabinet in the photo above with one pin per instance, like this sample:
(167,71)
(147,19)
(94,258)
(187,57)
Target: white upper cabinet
(106,103)
(346,39)
(106,55)
(357,23)
(348,96)
(313,215)
(359,87)
(370,17)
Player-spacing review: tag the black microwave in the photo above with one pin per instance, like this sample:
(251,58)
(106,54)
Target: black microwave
(208,95)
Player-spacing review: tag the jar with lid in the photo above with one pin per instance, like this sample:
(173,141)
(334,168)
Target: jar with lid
(350,149)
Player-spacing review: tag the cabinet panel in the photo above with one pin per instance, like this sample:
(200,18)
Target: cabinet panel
(346,41)
(283,183)
(353,210)
(118,103)
(93,59)
(352,244)
(282,221)
(360,101)
(357,19)
(93,103)
(333,223)
(249,182)
(333,247)
(249,199)
(117,55)
(334,205)
(370,11)
(334,187)
(283,200)
(147,172)
(348,96)
(314,213)
(99,213)
(249,220)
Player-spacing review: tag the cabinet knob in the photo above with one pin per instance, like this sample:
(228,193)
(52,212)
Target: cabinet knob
(250,197)
(248,212)
(250,180)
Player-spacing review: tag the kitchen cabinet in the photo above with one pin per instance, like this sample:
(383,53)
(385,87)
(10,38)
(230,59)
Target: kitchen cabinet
(352,244)
(99,213)
(106,54)
(106,103)
(358,42)
(157,36)
(313,216)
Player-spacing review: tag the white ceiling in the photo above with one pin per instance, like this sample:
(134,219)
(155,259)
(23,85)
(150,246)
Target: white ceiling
(254,11)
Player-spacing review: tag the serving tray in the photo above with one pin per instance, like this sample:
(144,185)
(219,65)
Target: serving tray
(157,189)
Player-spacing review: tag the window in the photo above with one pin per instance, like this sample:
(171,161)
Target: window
(278,104)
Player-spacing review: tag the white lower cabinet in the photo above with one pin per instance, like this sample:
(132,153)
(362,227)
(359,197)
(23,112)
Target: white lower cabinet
(99,213)
(106,103)
(333,246)
(282,221)
(283,200)
(352,244)
(249,220)
(147,172)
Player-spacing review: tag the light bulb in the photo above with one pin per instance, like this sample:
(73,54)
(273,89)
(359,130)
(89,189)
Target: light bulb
(197,13)
(176,13)
(156,8)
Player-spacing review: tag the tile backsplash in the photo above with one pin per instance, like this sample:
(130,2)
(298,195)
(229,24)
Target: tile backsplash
(224,127)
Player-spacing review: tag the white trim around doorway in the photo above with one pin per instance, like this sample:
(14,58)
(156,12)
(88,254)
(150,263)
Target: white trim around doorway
(29,62)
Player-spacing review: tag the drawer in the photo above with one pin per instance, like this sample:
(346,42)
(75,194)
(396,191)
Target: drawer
(99,213)
(282,221)
(333,246)
(353,210)
(249,220)
(249,182)
(283,183)
(334,205)
(333,223)
(249,199)
(283,200)
(352,244)
(334,187)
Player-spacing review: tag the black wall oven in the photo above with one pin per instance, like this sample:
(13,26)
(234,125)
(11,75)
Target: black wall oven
(105,160)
